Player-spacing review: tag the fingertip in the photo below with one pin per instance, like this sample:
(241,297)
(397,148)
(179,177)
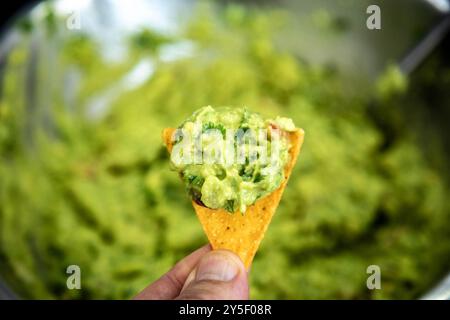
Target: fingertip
(220,274)
(219,265)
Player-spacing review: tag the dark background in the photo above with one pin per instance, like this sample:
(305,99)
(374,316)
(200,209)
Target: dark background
(11,8)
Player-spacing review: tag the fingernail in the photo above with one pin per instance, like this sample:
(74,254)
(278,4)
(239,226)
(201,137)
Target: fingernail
(218,265)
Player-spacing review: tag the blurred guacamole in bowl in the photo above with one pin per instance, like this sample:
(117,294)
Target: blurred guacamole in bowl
(85,179)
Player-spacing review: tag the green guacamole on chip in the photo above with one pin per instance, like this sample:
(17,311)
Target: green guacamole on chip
(231,157)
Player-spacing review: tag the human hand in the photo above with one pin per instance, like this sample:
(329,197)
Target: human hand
(205,274)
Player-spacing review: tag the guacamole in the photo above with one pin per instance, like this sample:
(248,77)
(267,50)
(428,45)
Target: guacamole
(232,156)
(97,191)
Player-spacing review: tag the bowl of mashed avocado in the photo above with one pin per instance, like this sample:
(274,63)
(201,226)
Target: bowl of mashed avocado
(85,179)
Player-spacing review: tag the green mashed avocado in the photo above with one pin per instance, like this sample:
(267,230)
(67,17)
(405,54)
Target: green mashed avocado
(97,191)
(240,159)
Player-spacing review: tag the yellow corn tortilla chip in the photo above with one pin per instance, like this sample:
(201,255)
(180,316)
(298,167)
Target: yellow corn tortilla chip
(239,233)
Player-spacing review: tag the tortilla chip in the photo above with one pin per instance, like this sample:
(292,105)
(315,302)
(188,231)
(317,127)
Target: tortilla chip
(239,233)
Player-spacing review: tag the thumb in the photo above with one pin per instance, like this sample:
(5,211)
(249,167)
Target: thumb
(220,274)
